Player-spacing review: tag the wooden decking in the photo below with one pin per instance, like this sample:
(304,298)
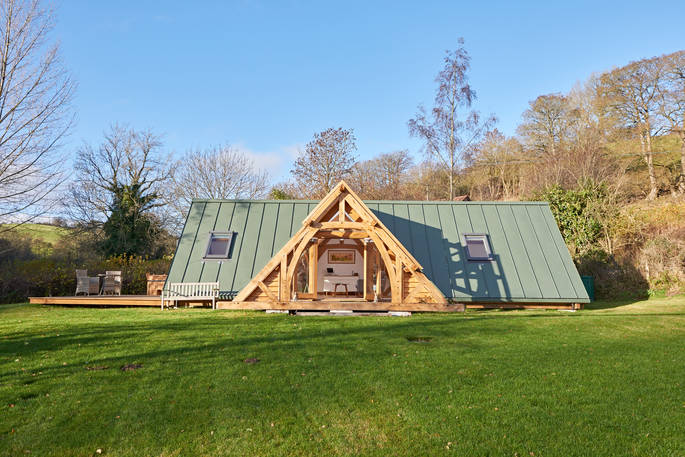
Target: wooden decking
(345,304)
(326,304)
(99,300)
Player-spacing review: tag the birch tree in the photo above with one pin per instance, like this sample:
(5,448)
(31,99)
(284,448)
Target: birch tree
(35,114)
(451,127)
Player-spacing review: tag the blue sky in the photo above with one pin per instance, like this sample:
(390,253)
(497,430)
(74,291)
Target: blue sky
(266,76)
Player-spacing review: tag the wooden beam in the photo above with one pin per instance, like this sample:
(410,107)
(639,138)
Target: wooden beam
(377,263)
(341,210)
(380,247)
(271,265)
(298,252)
(325,204)
(347,234)
(365,291)
(354,215)
(313,268)
(267,292)
(399,272)
(339,225)
(282,273)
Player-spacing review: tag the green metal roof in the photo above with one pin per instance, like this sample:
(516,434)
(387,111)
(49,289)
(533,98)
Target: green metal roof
(531,262)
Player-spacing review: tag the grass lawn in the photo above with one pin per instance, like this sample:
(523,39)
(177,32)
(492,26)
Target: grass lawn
(43,232)
(606,381)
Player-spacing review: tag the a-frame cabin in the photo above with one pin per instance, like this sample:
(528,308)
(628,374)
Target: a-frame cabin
(342,253)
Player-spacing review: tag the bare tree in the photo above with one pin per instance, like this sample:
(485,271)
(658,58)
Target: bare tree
(447,132)
(382,177)
(546,124)
(35,115)
(632,93)
(325,160)
(121,178)
(216,172)
(672,104)
(496,166)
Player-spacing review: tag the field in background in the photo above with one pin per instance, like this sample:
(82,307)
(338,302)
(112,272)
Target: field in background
(48,234)
(603,381)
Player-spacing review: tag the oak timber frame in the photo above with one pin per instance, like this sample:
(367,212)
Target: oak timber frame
(343,215)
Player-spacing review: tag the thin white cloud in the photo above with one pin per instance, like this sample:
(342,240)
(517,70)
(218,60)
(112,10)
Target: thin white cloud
(277,163)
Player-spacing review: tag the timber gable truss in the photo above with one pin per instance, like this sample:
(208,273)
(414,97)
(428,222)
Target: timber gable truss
(338,216)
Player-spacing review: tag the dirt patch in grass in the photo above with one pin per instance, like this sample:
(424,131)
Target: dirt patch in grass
(420,339)
(251,360)
(131,367)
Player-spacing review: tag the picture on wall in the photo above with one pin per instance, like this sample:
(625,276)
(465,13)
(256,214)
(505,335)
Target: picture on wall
(341,256)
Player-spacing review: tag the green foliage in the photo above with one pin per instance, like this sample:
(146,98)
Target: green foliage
(51,276)
(614,278)
(279,194)
(577,212)
(128,230)
(601,382)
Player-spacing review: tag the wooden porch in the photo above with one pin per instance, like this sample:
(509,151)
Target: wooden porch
(389,277)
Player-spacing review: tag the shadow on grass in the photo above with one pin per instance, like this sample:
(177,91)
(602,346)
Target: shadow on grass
(165,341)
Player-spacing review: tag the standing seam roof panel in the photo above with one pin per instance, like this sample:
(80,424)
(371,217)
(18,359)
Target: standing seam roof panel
(211,268)
(185,243)
(509,285)
(519,255)
(437,249)
(228,269)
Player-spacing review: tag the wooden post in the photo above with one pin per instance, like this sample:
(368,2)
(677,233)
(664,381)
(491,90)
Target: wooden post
(399,271)
(365,292)
(341,210)
(378,272)
(283,284)
(313,269)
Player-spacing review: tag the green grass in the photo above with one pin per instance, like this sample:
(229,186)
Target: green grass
(605,381)
(43,232)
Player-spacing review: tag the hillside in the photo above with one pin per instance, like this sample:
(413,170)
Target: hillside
(46,235)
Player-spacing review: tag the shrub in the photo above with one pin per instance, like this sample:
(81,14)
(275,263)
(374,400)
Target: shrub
(50,276)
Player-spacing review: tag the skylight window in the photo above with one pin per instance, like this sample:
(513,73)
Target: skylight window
(477,247)
(219,245)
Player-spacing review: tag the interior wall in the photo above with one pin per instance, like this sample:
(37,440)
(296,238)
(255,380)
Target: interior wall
(340,268)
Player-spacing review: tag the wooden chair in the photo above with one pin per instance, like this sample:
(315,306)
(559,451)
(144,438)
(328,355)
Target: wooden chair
(112,283)
(85,284)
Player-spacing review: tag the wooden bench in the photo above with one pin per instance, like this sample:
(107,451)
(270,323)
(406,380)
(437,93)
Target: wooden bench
(190,291)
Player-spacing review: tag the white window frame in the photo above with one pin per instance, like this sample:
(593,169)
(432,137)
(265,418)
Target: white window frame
(225,255)
(486,243)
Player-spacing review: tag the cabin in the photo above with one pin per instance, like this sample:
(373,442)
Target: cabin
(343,253)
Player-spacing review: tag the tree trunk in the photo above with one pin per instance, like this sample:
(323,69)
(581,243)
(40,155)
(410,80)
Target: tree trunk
(646,143)
(681,183)
(452,183)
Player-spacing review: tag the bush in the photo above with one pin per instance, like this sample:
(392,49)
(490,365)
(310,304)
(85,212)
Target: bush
(20,279)
(614,278)
(578,213)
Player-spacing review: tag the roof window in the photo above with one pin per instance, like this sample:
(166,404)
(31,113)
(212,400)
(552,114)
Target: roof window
(219,245)
(477,246)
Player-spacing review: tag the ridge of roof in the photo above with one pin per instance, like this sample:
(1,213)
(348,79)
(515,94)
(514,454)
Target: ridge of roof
(412,202)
